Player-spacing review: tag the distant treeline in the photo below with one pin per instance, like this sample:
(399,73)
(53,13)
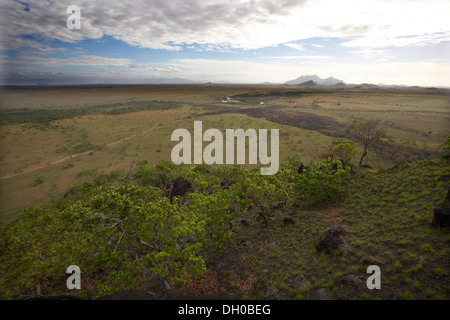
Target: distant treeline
(46,116)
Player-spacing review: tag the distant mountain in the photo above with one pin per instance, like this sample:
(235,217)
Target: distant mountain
(330,81)
(367,85)
(304,79)
(309,83)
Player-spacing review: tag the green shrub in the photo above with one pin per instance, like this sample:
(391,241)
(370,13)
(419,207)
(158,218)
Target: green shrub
(127,224)
(321,183)
(39,180)
(266,192)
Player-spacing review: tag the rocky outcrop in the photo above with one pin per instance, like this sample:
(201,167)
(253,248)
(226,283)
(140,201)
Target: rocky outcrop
(441,218)
(333,239)
(180,188)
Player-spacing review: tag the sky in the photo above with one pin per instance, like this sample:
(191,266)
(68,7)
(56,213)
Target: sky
(403,42)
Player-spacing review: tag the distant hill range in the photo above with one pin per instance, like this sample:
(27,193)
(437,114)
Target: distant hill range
(314,80)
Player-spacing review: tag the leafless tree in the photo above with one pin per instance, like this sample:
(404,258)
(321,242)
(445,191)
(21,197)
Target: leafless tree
(367,133)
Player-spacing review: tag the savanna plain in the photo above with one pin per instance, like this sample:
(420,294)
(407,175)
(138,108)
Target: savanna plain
(86,179)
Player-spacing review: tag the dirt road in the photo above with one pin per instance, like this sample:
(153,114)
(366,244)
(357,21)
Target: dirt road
(41,166)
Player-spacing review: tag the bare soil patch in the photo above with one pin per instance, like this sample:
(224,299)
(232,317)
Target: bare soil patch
(323,124)
(303,120)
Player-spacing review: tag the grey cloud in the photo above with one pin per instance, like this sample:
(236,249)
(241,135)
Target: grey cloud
(143,23)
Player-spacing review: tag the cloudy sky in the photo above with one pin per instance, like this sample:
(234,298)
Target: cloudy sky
(247,41)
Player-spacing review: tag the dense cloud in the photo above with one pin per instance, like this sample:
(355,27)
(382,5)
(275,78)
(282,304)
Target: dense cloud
(157,24)
(164,24)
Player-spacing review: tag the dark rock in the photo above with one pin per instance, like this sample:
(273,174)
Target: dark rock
(441,217)
(180,188)
(333,239)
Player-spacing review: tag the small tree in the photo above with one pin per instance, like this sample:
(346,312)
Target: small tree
(340,149)
(367,133)
(315,105)
(266,192)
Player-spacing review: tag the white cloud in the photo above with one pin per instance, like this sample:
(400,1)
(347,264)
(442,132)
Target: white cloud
(374,54)
(400,41)
(296,46)
(317,45)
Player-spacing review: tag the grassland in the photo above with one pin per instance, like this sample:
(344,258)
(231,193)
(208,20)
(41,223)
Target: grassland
(416,121)
(48,136)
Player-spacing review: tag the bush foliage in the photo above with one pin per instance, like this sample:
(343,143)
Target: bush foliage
(321,182)
(122,230)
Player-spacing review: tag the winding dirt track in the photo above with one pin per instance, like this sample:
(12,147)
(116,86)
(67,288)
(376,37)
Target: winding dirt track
(41,166)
